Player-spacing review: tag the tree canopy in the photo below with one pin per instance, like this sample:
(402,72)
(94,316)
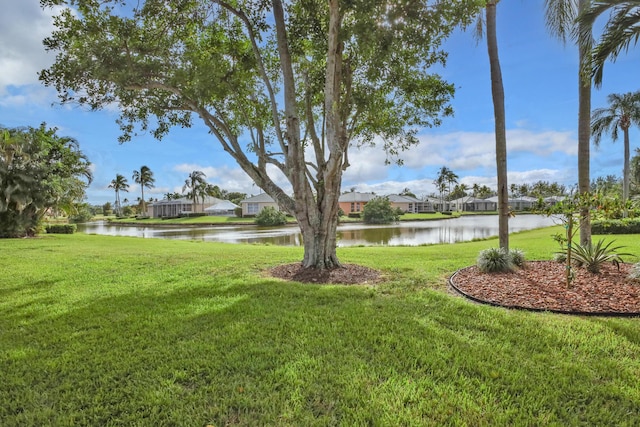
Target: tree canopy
(282,85)
(39,171)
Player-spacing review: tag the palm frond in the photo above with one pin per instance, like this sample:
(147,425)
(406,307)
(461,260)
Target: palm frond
(560,17)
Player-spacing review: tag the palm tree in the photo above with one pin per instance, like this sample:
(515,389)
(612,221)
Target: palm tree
(622,113)
(445,178)
(144,177)
(561,21)
(119,183)
(476,190)
(499,117)
(195,181)
(622,28)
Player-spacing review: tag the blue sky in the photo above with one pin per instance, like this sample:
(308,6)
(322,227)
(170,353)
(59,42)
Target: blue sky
(540,82)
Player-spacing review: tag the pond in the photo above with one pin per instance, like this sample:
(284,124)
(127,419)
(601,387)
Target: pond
(409,233)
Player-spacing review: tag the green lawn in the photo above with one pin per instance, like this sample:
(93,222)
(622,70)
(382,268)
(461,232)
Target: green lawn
(98,330)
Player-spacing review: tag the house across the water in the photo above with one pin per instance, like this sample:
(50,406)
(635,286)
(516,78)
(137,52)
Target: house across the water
(183,207)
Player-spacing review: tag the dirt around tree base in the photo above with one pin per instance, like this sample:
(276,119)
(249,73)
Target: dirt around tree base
(541,285)
(348,274)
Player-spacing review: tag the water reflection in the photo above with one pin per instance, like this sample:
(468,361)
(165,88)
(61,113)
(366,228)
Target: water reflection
(405,233)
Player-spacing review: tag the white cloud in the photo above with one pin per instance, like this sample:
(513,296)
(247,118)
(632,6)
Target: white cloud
(22,54)
(470,150)
(461,151)
(233,178)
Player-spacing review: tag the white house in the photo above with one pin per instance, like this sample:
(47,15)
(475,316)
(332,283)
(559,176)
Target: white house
(411,204)
(180,207)
(471,204)
(518,204)
(252,205)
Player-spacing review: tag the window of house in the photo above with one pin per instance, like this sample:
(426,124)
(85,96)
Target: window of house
(353,207)
(252,208)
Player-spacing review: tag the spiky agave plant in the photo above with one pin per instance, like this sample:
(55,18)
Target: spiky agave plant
(593,256)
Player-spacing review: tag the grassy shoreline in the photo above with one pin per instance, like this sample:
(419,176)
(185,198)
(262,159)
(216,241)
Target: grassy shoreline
(100,330)
(223,220)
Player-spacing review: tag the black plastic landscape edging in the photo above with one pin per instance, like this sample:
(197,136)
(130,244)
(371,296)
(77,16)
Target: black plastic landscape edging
(537,310)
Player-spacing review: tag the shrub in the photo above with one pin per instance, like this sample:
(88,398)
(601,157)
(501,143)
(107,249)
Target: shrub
(270,216)
(494,260)
(107,209)
(354,215)
(517,257)
(61,229)
(593,256)
(616,226)
(238,212)
(379,211)
(82,215)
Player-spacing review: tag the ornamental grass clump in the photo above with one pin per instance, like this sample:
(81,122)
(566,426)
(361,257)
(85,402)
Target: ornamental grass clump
(495,260)
(517,257)
(634,274)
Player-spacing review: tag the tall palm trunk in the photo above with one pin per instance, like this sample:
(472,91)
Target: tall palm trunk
(497,93)
(118,207)
(584,134)
(626,170)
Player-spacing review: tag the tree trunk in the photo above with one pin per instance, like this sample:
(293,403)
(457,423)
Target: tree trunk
(497,93)
(625,171)
(584,136)
(316,212)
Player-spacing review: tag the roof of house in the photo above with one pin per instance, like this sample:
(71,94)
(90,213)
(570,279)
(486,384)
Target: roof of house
(208,200)
(222,205)
(354,196)
(181,200)
(260,198)
(397,198)
(469,199)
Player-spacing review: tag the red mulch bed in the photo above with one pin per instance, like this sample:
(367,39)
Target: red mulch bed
(541,285)
(348,274)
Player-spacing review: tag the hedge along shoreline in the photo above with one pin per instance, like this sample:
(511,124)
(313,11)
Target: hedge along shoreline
(616,226)
(61,229)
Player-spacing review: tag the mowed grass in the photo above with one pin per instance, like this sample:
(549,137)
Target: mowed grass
(98,330)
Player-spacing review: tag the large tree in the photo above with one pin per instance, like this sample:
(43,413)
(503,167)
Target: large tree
(144,177)
(620,31)
(282,85)
(623,112)
(561,17)
(40,171)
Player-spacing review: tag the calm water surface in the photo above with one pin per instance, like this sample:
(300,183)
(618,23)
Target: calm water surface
(411,233)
